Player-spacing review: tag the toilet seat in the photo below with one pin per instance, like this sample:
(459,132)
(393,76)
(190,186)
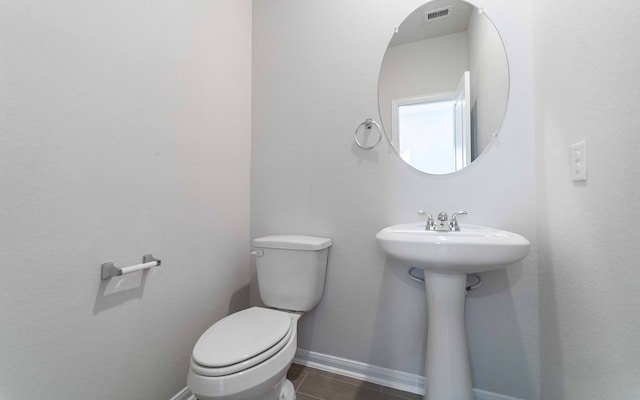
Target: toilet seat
(241,341)
(251,383)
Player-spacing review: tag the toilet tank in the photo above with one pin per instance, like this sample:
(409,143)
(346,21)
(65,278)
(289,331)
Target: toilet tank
(291,270)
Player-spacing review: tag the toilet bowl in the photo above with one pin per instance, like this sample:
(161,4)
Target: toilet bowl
(246,355)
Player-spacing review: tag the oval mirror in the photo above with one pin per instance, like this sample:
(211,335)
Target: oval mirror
(443,86)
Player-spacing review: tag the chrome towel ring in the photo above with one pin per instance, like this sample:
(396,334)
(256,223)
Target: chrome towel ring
(368,125)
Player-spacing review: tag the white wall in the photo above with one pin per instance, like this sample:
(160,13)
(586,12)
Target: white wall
(124,130)
(586,75)
(315,73)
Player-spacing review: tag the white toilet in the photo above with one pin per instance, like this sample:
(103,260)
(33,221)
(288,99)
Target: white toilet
(246,355)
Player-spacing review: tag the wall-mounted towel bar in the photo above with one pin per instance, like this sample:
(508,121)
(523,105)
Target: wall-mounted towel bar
(108,270)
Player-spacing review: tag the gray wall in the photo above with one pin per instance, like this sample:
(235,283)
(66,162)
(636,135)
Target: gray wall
(586,74)
(124,130)
(315,73)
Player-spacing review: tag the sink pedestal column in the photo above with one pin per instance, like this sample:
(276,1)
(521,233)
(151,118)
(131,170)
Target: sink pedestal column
(448,376)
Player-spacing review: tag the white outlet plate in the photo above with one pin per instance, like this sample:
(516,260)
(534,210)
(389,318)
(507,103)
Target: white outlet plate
(579,161)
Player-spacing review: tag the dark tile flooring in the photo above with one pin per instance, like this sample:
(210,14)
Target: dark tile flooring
(313,384)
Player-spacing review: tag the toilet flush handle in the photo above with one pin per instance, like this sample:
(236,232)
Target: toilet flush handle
(257,253)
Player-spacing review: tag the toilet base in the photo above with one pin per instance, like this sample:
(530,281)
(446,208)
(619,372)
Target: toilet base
(283,390)
(288,392)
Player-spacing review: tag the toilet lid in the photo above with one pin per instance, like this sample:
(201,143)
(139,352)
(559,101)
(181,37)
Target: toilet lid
(241,336)
(292,242)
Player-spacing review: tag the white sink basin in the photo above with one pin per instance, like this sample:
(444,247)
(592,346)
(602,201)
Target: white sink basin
(446,258)
(472,249)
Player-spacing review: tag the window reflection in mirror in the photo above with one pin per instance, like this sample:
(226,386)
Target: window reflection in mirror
(459,58)
(434,152)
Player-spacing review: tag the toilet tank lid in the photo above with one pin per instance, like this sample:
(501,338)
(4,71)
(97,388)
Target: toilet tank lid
(292,242)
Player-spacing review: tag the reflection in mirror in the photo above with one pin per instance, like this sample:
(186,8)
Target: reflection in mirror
(443,86)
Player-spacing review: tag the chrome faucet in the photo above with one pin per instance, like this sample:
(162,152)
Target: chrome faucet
(441,224)
(430,224)
(453,224)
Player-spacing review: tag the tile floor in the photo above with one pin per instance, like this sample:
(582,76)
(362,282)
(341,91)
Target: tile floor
(313,384)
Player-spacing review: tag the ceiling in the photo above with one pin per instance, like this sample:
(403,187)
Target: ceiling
(414,27)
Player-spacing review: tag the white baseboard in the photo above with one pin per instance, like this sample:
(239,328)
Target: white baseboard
(382,376)
(364,372)
(185,394)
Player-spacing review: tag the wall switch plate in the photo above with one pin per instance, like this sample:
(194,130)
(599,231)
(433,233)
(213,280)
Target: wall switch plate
(579,161)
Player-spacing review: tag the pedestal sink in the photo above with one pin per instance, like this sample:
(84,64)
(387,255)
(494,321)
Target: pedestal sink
(446,258)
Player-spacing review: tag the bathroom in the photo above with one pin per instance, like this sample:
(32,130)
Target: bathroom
(185,129)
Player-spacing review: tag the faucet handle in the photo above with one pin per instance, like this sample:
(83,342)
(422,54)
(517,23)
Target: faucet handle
(453,224)
(430,224)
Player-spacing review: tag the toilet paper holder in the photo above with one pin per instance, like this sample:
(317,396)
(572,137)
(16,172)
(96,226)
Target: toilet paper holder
(108,270)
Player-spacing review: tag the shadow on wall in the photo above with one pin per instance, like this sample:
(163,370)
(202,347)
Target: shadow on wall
(239,299)
(552,379)
(365,156)
(495,338)
(120,289)
(400,328)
